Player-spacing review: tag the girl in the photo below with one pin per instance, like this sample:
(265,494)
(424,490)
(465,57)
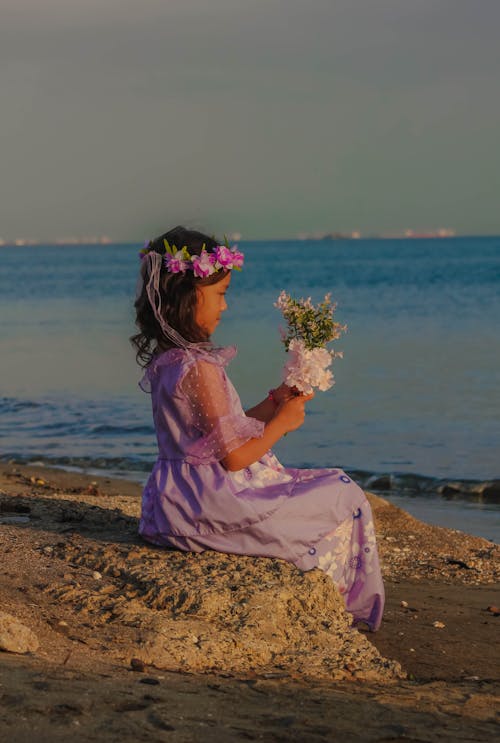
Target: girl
(216,484)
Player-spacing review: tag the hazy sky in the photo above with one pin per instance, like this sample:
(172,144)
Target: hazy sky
(124,117)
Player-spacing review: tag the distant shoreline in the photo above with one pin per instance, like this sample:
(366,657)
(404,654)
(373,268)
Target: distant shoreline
(104,242)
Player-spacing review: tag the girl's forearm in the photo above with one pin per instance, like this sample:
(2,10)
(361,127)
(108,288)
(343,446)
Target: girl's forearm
(254,449)
(263,411)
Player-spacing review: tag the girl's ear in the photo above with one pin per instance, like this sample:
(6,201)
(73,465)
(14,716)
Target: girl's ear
(199,297)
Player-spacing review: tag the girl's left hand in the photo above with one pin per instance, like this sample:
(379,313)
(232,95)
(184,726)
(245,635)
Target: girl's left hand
(283,393)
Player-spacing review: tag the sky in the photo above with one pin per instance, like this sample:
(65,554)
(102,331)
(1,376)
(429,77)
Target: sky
(266,117)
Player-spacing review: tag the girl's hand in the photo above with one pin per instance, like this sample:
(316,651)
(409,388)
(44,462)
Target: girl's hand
(291,412)
(283,393)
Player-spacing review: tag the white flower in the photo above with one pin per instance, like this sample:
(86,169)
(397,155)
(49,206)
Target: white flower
(328,563)
(306,368)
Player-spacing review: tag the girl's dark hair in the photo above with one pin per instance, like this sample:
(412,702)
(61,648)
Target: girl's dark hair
(178,297)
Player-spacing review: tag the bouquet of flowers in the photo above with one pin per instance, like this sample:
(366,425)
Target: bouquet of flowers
(310,328)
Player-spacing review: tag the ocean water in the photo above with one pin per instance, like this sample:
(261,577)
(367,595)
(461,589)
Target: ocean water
(416,395)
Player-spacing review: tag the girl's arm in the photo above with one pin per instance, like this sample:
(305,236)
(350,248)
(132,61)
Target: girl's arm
(265,410)
(205,389)
(287,417)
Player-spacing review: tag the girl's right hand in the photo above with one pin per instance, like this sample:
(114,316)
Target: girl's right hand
(291,413)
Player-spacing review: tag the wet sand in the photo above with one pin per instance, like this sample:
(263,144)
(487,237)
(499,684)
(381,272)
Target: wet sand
(439,625)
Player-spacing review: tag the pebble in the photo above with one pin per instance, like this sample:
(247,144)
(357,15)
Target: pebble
(37,481)
(404,604)
(136,664)
(96,575)
(438,625)
(16,637)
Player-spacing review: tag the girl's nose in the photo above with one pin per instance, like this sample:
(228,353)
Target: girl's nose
(224,305)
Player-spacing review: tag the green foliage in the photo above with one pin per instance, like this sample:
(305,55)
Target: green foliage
(313,324)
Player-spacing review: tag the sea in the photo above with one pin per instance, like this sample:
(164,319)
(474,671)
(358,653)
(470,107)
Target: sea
(415,411)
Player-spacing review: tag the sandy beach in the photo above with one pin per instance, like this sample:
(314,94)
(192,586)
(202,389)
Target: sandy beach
(137,643)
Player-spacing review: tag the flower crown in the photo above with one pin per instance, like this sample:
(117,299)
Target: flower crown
(203,265)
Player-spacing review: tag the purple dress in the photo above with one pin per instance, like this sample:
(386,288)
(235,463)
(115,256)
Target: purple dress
(313,518)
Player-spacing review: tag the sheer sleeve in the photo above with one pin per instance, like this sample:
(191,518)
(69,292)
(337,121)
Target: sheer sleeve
(215,412)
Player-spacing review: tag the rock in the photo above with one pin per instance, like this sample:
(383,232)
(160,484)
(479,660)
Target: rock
(38,481)
(219,613)
(136,664)
(96,575)
(451,489)
(438,625)
(491,492)
(16,637)
(380,482)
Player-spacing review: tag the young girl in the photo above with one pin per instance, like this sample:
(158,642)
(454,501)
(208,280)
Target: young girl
(216,484)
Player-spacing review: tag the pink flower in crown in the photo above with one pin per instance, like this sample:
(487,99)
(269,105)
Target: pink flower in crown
(224,257)
(176,263)
(238,257)
(203,265)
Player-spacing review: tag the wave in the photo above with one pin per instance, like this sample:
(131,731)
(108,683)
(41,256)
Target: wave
(122,430)
(126,468)
(478,491)
(14,405)
(411,485)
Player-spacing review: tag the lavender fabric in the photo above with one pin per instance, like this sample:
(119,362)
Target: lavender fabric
(316,518)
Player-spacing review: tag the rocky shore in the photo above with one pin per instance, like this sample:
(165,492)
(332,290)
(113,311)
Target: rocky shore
(121,638)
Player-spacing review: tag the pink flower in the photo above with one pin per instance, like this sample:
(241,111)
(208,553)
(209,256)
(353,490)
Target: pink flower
(224,256)
(282,301)
(176,263)
(203,265)
(238,257)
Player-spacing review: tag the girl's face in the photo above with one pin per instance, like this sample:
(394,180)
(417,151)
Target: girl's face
(211,303)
